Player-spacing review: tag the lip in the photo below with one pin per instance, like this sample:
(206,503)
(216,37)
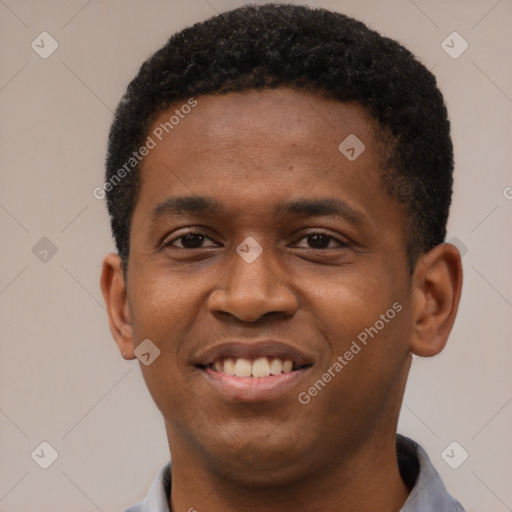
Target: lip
(253,349)
(253,389)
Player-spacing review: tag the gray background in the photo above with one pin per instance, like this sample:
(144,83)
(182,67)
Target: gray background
(62,379)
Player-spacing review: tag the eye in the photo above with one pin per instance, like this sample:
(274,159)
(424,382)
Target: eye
(188,241)
(316,240)
(321,241)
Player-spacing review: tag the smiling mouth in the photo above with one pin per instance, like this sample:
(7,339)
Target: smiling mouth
(263,366)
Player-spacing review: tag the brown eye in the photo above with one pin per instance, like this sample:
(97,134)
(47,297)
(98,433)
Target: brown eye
(322,241)
(188,241)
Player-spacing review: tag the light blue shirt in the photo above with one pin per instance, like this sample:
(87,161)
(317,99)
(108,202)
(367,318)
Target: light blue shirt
(428,494)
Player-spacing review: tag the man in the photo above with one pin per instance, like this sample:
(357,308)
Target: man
(279,180)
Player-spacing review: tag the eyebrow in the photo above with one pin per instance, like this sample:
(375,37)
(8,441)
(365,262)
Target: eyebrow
(314,207)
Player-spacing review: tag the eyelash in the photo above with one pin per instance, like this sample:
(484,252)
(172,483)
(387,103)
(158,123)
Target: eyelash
(342,243)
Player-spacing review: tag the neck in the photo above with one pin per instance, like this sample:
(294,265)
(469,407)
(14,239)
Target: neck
(366,480)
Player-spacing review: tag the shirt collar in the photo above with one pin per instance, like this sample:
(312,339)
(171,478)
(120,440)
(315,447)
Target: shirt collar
(427,495)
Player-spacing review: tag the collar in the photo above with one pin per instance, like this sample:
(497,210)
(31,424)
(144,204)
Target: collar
(428,493)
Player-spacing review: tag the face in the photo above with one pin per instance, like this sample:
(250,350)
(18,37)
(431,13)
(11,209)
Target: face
(259,248)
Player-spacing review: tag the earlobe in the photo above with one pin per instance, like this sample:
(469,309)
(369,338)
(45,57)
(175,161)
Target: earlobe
(436,294)
(113,288)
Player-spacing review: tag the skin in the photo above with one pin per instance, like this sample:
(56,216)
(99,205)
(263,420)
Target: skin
(251,151)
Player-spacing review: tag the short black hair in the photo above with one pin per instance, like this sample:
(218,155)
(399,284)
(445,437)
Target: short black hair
(310,49)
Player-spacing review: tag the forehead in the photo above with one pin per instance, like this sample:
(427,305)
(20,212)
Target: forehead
(253,150)
(304,118)
(273,131)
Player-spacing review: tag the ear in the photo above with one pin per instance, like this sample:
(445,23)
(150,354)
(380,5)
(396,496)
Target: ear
(437,283)
(113,288)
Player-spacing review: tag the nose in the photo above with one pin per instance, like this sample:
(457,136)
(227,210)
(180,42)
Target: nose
(248,291)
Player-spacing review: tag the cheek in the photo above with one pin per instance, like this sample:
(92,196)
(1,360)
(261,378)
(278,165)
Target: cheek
(364,364)
(366,323)
(164,310)
(352,302)
(161,305)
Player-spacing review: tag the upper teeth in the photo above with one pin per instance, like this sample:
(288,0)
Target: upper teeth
(260,367)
